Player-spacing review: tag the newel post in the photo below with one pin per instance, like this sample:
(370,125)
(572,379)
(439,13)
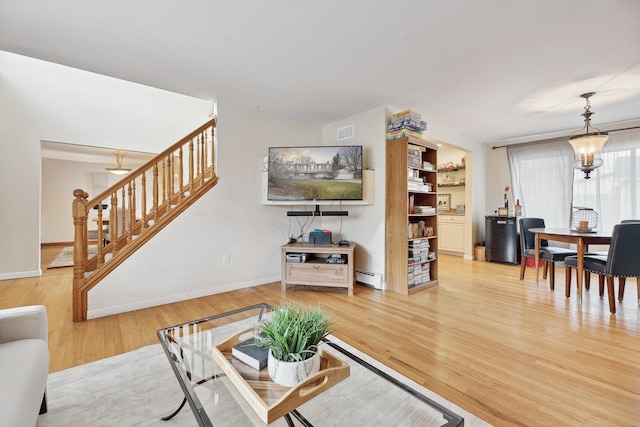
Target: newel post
(80,242)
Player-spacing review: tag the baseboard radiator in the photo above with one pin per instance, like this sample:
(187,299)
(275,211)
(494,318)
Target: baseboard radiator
(368,278)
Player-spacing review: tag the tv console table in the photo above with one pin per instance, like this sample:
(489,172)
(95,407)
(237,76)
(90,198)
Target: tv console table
(315,271)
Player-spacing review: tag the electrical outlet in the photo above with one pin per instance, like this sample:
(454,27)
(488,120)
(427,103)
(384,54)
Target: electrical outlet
(226,258)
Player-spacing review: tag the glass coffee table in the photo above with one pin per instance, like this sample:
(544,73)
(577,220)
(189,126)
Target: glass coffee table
(368,396)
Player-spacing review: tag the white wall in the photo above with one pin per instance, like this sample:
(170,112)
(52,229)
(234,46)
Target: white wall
(365,224)
(45,101)
(499,177)
(185,259)
(61,177)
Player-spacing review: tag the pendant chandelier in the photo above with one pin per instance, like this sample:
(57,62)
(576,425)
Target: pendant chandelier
(119,169)
(588,142)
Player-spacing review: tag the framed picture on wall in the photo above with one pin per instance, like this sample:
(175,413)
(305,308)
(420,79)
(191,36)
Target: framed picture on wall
(444,202)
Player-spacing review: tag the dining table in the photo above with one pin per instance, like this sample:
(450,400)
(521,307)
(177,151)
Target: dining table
(582,240)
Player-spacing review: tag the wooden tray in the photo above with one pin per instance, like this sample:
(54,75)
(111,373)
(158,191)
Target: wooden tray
(268,399)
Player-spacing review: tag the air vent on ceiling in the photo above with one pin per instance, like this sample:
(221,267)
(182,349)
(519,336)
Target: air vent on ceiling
(345,132)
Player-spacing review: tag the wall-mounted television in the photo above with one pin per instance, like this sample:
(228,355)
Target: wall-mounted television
(315,173)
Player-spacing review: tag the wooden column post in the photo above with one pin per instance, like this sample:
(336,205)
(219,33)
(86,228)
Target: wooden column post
(79,212)
(180,174)
(155,192)
(143,203)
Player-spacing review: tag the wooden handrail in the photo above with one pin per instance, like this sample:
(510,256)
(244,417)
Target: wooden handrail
(131,222)
(211,124)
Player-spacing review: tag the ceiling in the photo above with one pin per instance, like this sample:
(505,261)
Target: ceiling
(490,69)
(91,154)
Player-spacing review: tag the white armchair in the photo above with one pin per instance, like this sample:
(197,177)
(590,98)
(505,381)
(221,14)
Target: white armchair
(24,365)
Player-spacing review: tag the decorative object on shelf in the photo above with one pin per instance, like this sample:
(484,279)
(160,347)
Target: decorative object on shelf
(584,219)
(419,229)
(119,169)
(503,211)
(406,124)
(588,143)
(428,166)
(518,208)
(506,200)
(444,202)
(292,336)
(450,167)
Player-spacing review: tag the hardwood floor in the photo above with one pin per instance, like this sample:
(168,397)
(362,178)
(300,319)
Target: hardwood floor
(505,350)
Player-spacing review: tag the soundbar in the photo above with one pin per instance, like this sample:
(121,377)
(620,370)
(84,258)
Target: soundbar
(325,213)
(317,212)
(300,213)
(335,213)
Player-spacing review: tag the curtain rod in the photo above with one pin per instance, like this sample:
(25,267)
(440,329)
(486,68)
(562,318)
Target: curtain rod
(547,140)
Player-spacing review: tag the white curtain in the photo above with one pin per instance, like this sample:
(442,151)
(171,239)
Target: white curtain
(613,188)
(541,177)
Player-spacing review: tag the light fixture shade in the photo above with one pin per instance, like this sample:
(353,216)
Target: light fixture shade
(119,169)
(588,144)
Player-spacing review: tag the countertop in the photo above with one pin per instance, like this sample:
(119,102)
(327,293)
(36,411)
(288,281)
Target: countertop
(451,212)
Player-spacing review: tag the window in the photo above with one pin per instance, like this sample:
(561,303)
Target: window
(541,175)
(613,189)
(543,178)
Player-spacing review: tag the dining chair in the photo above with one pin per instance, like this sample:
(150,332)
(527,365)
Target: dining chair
(622,260)
(601,277)
(548,254)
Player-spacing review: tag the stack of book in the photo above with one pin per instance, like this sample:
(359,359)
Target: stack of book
(418,251)
(250,354)
(406,123)
(419,274)
(419,186)
(424,209)
(414,156)
(419,271)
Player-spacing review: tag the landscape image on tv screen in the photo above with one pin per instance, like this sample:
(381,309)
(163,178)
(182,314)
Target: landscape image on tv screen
(315,173)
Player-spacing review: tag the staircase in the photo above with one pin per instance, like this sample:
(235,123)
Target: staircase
(136,208)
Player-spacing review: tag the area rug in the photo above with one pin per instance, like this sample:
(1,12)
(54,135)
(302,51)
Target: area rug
(65,258)
(139,387)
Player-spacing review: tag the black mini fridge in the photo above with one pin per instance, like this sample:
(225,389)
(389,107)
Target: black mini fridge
(502,243)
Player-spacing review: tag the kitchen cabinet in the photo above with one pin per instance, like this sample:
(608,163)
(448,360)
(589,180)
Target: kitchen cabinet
(451,233)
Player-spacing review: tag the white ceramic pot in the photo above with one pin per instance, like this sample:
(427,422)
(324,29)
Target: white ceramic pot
(290,374)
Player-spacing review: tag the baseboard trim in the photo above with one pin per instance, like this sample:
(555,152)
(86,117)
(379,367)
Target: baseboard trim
(21,274)
(108,311)
(44,245)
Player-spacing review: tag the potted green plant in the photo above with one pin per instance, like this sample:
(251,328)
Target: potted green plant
(292,335)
